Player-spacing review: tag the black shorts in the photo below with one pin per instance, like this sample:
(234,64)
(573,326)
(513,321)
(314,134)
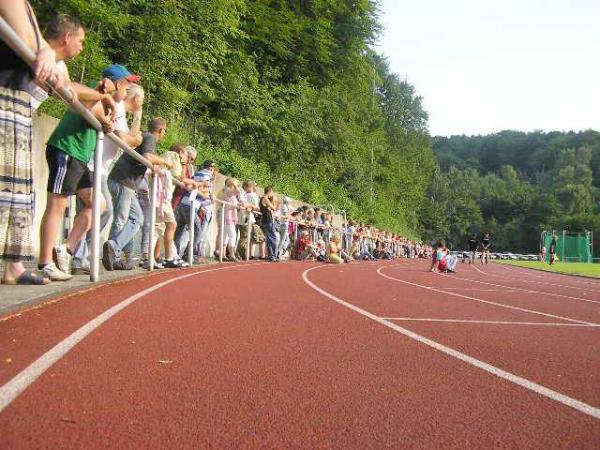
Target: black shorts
(67,174)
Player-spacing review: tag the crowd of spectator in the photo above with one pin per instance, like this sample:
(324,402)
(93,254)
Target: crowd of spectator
(252,225)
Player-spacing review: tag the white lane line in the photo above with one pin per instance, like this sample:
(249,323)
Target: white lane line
(478,270)
(493,322)
(474,289)
(501,305)
(548,275)
(546,283)
(12,389)
(529,291)
(520,381)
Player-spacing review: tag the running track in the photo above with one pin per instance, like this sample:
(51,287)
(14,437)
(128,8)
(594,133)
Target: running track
(299,355)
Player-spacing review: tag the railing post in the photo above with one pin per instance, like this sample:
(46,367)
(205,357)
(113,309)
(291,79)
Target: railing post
(222,232)
(153,189)
(191,227)
(96,201)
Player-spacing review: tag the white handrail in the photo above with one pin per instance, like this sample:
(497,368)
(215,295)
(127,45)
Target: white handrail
(14,41)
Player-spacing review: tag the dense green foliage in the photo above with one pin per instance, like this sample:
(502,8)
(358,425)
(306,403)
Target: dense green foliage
(284,91)
(515,185)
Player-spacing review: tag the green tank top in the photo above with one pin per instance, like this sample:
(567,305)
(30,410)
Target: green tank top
(75,137)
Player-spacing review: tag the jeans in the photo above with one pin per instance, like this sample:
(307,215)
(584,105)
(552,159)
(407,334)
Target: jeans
(144,200)
(128,216)
(284,239)
(269,230)
(81,256)
(201,228)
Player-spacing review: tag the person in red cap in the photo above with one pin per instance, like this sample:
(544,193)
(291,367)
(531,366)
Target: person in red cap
(69,151)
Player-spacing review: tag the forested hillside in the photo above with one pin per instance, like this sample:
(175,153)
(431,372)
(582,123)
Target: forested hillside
(286,92)
(514,185)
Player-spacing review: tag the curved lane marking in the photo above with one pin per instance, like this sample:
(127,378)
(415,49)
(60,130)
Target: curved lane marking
(491,322)
(529,291)
(13,388)
(582,283)
(520,381)
(480,300)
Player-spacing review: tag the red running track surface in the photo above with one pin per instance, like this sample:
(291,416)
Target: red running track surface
(251,356)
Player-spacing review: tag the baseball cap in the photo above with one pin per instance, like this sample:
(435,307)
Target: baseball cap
(202,176)
(117,72)
(208,163)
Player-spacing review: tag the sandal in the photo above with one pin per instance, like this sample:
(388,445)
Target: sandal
(27,278)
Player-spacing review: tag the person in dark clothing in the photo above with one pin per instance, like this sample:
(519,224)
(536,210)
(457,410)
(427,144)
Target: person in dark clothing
(267,206)
(553,257)
(486,246)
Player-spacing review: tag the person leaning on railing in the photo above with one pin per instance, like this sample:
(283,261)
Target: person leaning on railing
(69,152)
(122,183)
(20,94)
(132,104)
(267,222)
(165,216)
(204,211)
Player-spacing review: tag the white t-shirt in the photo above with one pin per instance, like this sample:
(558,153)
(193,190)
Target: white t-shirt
(253,199)
(111,151)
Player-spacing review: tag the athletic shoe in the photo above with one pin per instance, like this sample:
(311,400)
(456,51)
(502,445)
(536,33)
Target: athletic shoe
(108,255)
(157,265)
(172,264)
(80,271)
(121,264)
(54,273)
(62,258)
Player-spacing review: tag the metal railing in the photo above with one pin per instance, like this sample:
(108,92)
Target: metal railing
(14,41)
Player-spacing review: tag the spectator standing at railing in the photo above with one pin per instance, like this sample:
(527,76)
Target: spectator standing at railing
(229,195)
(203,199)
(69,152)
(16,166)
(267,207)
(166,222)
(131,104)
(257,237)
(245,220)
(122,183)
(206,175)
(283,225)
(181,157)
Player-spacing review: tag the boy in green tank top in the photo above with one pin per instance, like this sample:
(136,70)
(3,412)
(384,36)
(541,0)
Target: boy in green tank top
(70,149)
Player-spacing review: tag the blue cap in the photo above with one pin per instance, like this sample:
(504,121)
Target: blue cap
(117,72)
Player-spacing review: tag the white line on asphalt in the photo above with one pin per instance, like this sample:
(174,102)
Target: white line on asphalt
(474,289)
(583,284)
(529,291)
(478,270)
(523,382)
(12,389)
(493,322)
(501,305)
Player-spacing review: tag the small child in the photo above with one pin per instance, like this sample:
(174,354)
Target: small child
(321,251)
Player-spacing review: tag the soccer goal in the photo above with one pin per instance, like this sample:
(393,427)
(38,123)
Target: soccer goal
(570,247)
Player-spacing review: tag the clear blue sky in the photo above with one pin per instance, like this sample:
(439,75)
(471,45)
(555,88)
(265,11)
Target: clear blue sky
(488,65)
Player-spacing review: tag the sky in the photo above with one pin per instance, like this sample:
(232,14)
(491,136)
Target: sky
(489,65)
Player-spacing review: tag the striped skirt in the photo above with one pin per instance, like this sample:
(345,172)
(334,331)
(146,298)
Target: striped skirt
(17,197)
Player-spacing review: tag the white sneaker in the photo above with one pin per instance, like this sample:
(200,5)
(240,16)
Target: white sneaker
(55,274)
(62,258)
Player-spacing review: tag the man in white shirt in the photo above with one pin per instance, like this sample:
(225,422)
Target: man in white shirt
(129,100)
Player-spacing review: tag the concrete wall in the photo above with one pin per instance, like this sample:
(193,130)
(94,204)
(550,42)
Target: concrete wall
(43,128)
